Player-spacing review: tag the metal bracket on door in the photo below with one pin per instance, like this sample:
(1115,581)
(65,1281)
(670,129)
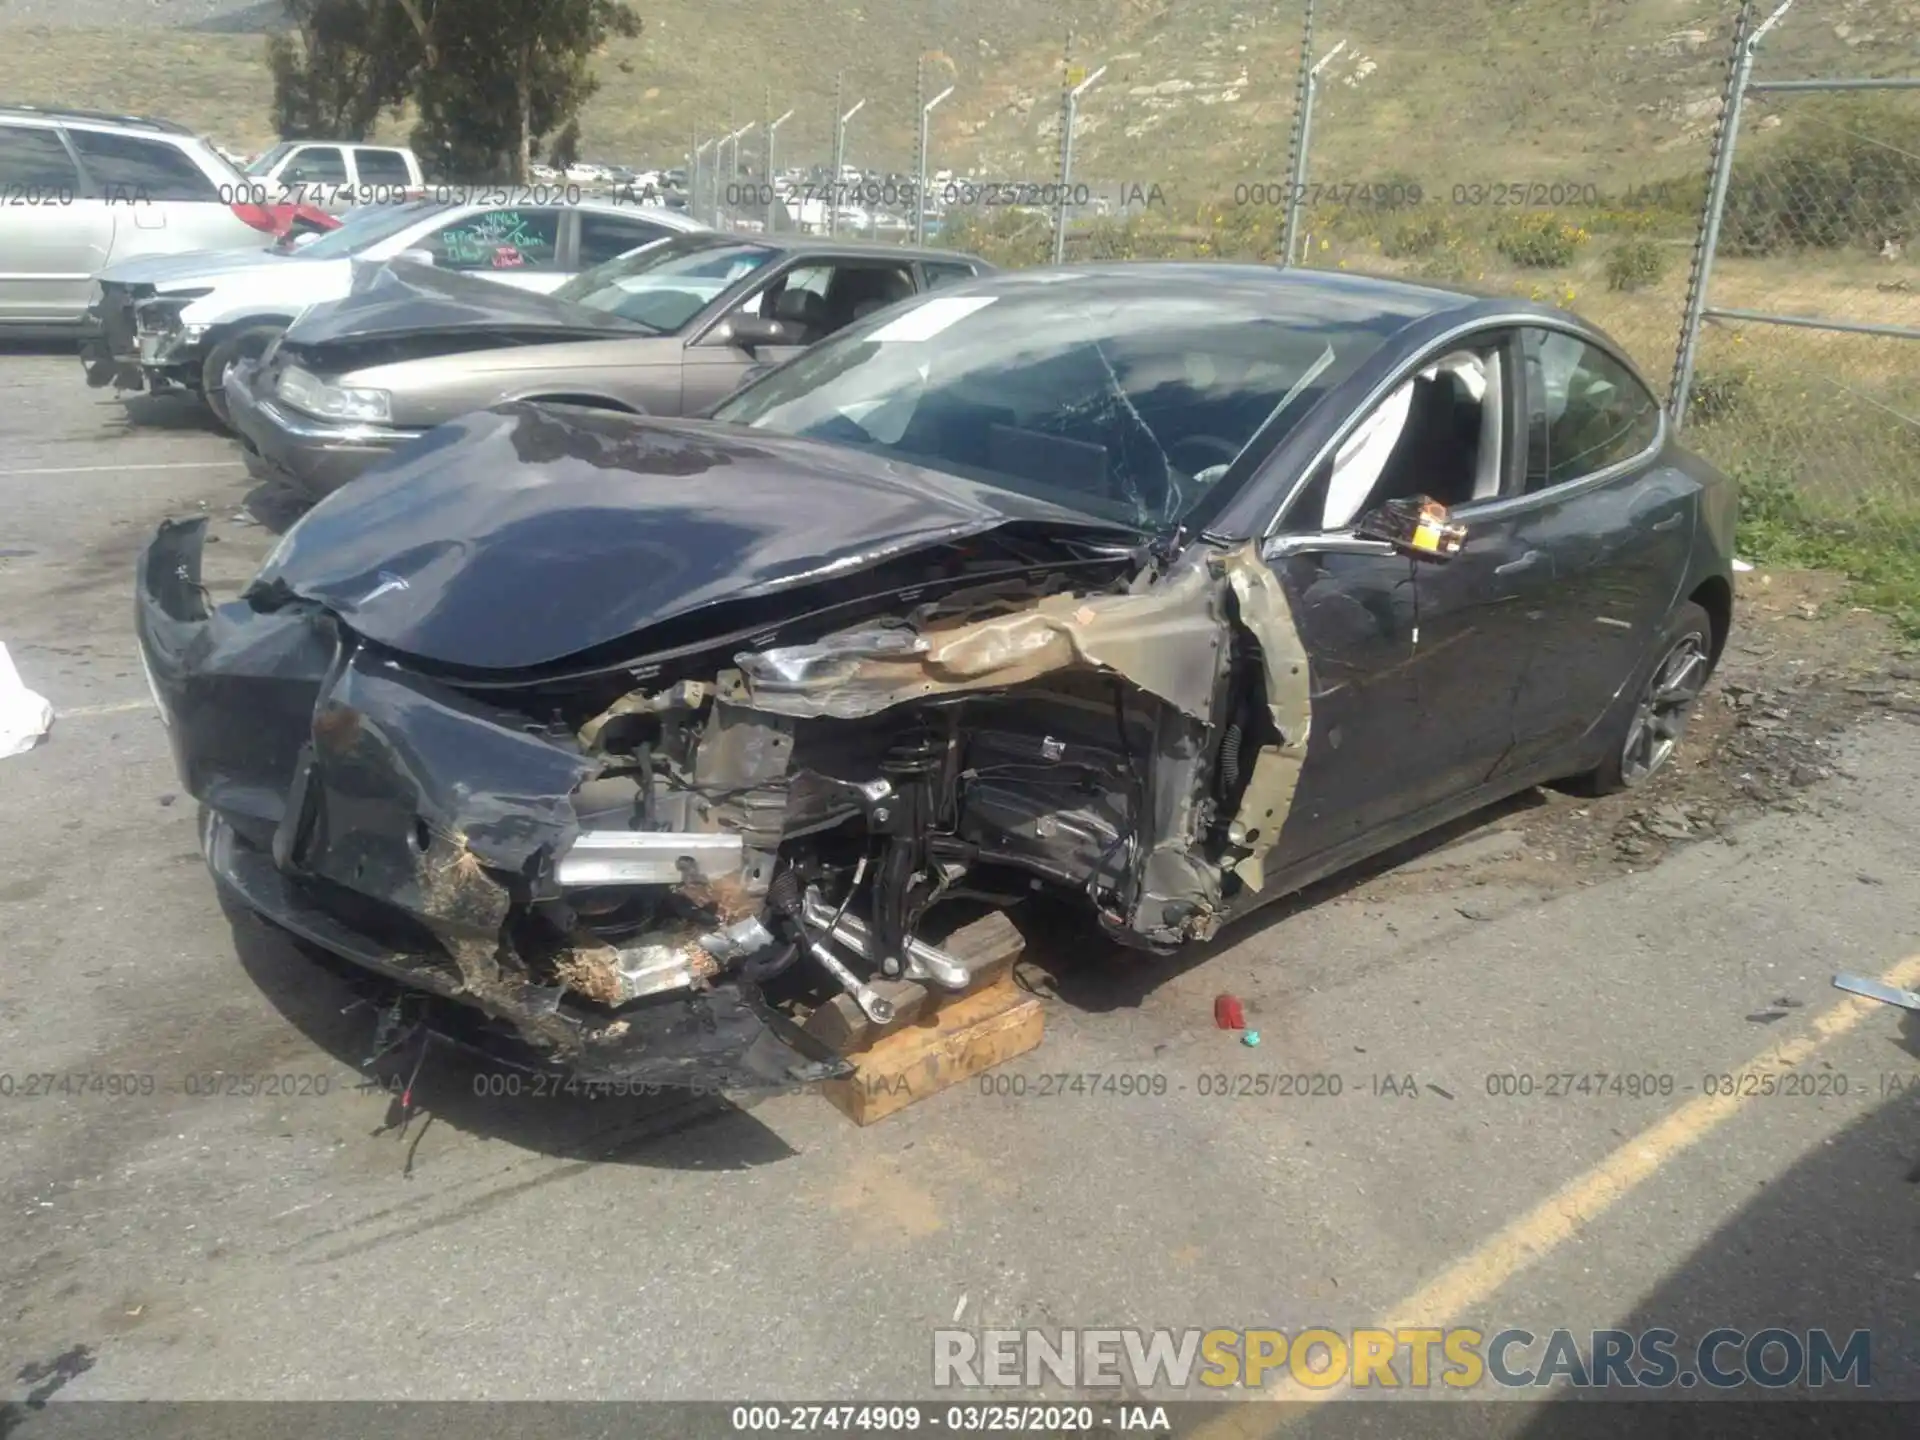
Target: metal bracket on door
(1514,567)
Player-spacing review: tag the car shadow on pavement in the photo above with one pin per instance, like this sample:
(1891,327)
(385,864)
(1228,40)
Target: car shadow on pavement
(1829,1243)
(273,503)
(183,413)
(1067,959)
(458,1087)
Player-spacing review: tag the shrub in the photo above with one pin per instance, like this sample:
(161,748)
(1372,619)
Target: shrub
(1417,235)
(1719,394)
(1636,263)
(1540,240)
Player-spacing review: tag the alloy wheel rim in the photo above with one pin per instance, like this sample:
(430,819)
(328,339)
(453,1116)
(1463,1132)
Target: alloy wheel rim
(1660,715)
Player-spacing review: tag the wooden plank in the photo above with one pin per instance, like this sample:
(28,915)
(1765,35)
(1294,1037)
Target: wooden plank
(961,1039)
(987,947)
(844,1025)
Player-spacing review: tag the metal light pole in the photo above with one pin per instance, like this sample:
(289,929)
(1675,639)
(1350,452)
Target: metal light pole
(1297,182)
(1070,107)
(773,201)
(1716,207)
(839,163)
(920,180)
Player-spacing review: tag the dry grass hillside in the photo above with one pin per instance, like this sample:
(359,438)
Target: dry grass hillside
(1198,93)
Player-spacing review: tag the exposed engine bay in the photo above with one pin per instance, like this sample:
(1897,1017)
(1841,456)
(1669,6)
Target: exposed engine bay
(644,867)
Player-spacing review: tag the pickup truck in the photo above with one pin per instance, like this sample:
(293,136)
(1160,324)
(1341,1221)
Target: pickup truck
(337,176)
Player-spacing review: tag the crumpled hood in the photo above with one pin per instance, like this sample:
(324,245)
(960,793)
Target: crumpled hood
(513,537)
(402,297)
(194,267)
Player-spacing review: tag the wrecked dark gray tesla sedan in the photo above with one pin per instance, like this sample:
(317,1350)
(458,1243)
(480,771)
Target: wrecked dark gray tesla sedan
(1170,587)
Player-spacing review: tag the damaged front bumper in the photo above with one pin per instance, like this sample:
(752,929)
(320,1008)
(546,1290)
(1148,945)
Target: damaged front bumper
(315,456)
(139,342)
(417,834)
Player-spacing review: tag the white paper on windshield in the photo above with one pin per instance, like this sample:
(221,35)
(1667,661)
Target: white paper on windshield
(923,322)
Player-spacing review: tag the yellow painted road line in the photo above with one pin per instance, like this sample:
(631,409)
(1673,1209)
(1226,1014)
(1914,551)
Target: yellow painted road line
(1473,1280)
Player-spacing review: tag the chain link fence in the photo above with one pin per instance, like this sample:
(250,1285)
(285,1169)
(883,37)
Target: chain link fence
(1739,207)
(1529,159)
(1804,379)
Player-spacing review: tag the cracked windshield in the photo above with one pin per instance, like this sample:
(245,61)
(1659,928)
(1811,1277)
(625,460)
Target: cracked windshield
(1108,398)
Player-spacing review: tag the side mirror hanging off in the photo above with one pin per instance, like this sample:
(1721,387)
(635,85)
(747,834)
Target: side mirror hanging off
(1417,526)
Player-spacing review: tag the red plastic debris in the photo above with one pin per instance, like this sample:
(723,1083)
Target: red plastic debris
(1228,1013)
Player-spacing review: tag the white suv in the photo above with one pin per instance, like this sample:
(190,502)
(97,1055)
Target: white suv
(337,177)
(79,191)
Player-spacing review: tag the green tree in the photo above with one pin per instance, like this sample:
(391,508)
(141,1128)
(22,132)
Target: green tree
(342,64)
(500,75)
(490,79)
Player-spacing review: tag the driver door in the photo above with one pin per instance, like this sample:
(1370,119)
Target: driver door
(814,296)
(715,366)
(1416,662)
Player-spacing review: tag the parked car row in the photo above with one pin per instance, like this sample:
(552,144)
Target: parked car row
(669,329)
(177,322)
(84,190)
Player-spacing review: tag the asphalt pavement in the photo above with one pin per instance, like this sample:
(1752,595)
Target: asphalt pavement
(244,1223)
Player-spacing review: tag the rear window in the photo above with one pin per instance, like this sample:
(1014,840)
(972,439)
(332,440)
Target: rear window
(315,165)
(607,237)
(33,161)
(940,272)
(381,167)
(129,170)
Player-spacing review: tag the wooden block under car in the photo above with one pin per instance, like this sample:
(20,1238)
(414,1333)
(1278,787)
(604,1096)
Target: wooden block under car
(965,1037)
(987,947)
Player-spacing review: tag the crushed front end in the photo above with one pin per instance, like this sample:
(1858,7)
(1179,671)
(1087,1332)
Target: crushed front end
(429,837)
(653,870)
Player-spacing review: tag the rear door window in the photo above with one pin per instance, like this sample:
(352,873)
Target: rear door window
(381,167)
(818,299)
(130,170)
(1585,410)
(939,272)
(509,239)
(607,237)
(35,165)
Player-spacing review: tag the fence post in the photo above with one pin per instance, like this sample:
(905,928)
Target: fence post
(713,203)
(920,179)
(733,172)
(1726,136)
(1069,110)
(693,172)
(773,200)
(839,162)
(1297,182)
(1296,139)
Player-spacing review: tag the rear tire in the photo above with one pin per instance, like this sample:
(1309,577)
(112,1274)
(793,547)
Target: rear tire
(248,344)
(1649,727)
